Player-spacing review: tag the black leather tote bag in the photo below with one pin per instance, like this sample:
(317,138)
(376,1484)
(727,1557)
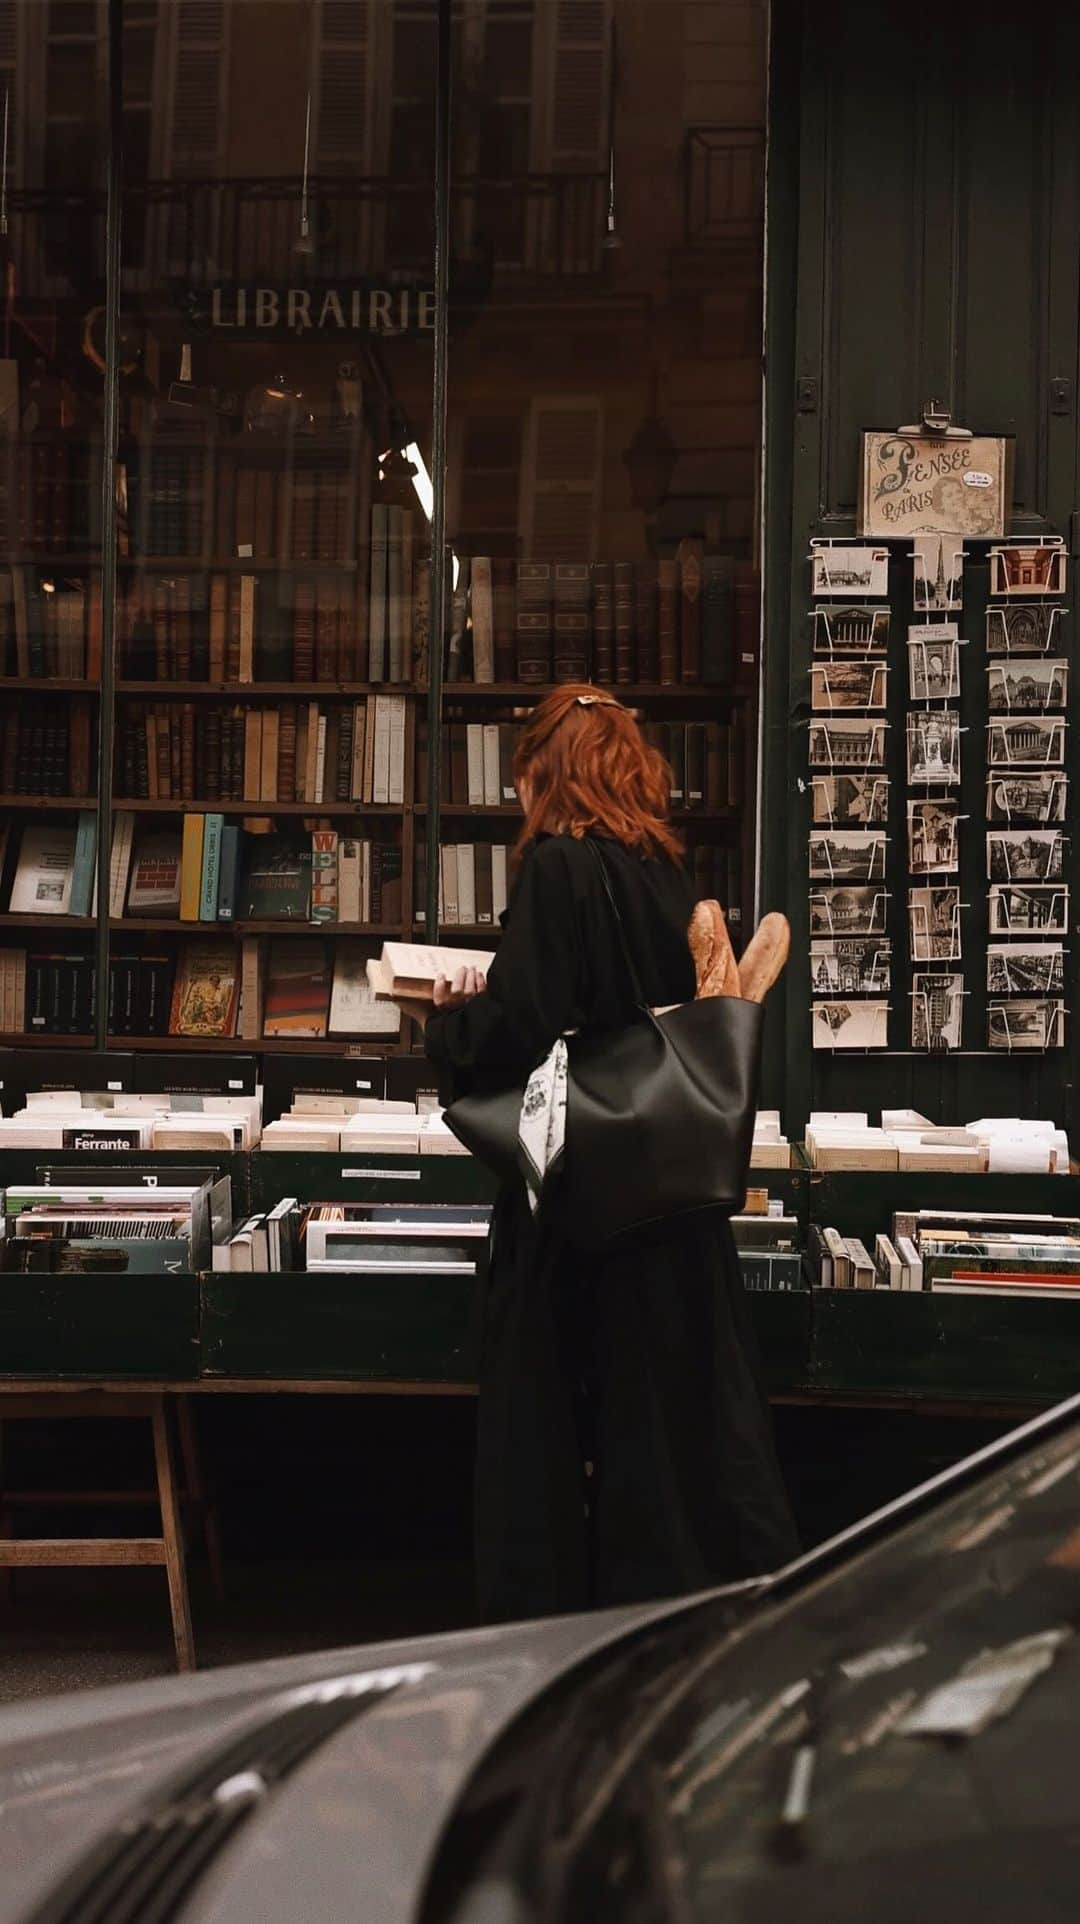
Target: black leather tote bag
(659,1117)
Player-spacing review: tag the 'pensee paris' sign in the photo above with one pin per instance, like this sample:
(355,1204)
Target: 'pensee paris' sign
(269,313)
(919,484)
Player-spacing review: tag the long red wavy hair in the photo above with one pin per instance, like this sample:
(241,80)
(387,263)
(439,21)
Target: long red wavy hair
(584,764)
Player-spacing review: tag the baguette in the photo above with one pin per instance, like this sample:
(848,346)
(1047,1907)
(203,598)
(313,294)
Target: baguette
(715,966)
(764,957)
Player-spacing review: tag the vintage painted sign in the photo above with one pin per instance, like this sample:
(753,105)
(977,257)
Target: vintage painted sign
(914,484)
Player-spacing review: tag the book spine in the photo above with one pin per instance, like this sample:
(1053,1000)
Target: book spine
(191,868)
(690,558)
(324,876)
(603,600)
(668,622)
(718,620)
(211,867)
(82,874)
(504,609)
(483,620)
(377,610)
(747,627)
(395,595)
(533,621)
(573,602)
(230,862)
(646,593)
(624,622)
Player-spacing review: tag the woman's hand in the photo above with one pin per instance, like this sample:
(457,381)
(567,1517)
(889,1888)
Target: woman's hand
(460,988)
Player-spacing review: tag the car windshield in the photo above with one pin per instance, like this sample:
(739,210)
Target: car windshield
(897,1732)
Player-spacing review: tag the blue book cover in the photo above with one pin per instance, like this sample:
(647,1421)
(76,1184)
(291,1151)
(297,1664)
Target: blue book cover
(213,825)
(82,873)
(230,862)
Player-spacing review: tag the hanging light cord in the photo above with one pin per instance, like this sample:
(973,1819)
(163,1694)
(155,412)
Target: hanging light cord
(3,175)
(304,186)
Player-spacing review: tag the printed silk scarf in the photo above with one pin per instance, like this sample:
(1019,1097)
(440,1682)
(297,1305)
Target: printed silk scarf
(542,1127)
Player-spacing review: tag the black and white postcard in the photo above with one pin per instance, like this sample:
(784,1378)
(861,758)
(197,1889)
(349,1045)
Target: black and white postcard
(850,631)
(847,855)
(849,684)
(856,966)
(1026,628)
(850,1025)
(1028,568)
(937,573)
(1027,798)
(858,799)
(1027,687)
(932,837)
(937,1010)
(1035,970)
(934,924)
(847,911)
(1025,741)
(1025,855)
(1027,1024)
(856,573)
(1040,908)
(934,661)
(933,748)
(847,743)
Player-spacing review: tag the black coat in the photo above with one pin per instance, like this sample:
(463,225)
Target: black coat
(624,1448)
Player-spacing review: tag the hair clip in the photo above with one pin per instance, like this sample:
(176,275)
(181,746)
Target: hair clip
(596,701)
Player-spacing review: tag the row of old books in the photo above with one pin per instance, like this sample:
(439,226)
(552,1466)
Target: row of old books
(370,1127)
(474,877)
(302,988)
(48,747)
(477,769)
(473,883)
(954,1253)
(114,1222)
(49,627)
(239,628)
(122,1120)
(291,752)
(692,617)
(906,1140)
(46,496)
(210,870)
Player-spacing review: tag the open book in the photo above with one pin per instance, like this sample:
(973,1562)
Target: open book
(410,968)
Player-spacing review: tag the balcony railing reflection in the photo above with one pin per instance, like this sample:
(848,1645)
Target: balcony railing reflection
(723,186)
(535,228)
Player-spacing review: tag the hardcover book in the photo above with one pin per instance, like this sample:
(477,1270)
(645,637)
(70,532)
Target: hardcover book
(43,878)
(297,989)
(207,990)
(155,877)
(277,887)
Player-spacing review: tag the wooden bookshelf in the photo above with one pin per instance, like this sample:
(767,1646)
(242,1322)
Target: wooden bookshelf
(152,925)
(198,496)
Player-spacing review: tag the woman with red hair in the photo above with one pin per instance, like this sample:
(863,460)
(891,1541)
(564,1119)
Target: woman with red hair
(624,1445)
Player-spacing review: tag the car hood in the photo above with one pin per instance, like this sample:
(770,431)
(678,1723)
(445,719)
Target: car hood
(352,1832)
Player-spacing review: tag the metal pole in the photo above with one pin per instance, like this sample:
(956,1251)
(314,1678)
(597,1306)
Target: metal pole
(438,466)
(110,429)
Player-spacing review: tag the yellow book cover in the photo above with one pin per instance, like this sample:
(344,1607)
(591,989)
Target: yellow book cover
(191,854)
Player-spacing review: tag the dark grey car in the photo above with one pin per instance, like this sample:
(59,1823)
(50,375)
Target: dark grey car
(884,1731)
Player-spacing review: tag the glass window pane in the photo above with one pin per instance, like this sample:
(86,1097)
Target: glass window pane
(605,387)
(275,523)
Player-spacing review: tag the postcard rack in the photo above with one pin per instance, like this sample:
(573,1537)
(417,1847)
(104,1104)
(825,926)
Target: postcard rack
(901,891)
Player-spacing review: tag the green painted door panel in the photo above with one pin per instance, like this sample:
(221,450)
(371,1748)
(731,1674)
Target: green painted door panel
(98,1326)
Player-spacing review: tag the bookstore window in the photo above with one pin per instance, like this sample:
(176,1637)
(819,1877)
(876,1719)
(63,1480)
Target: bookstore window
(604,410)
(274,488)
(54,138)
(273,514)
